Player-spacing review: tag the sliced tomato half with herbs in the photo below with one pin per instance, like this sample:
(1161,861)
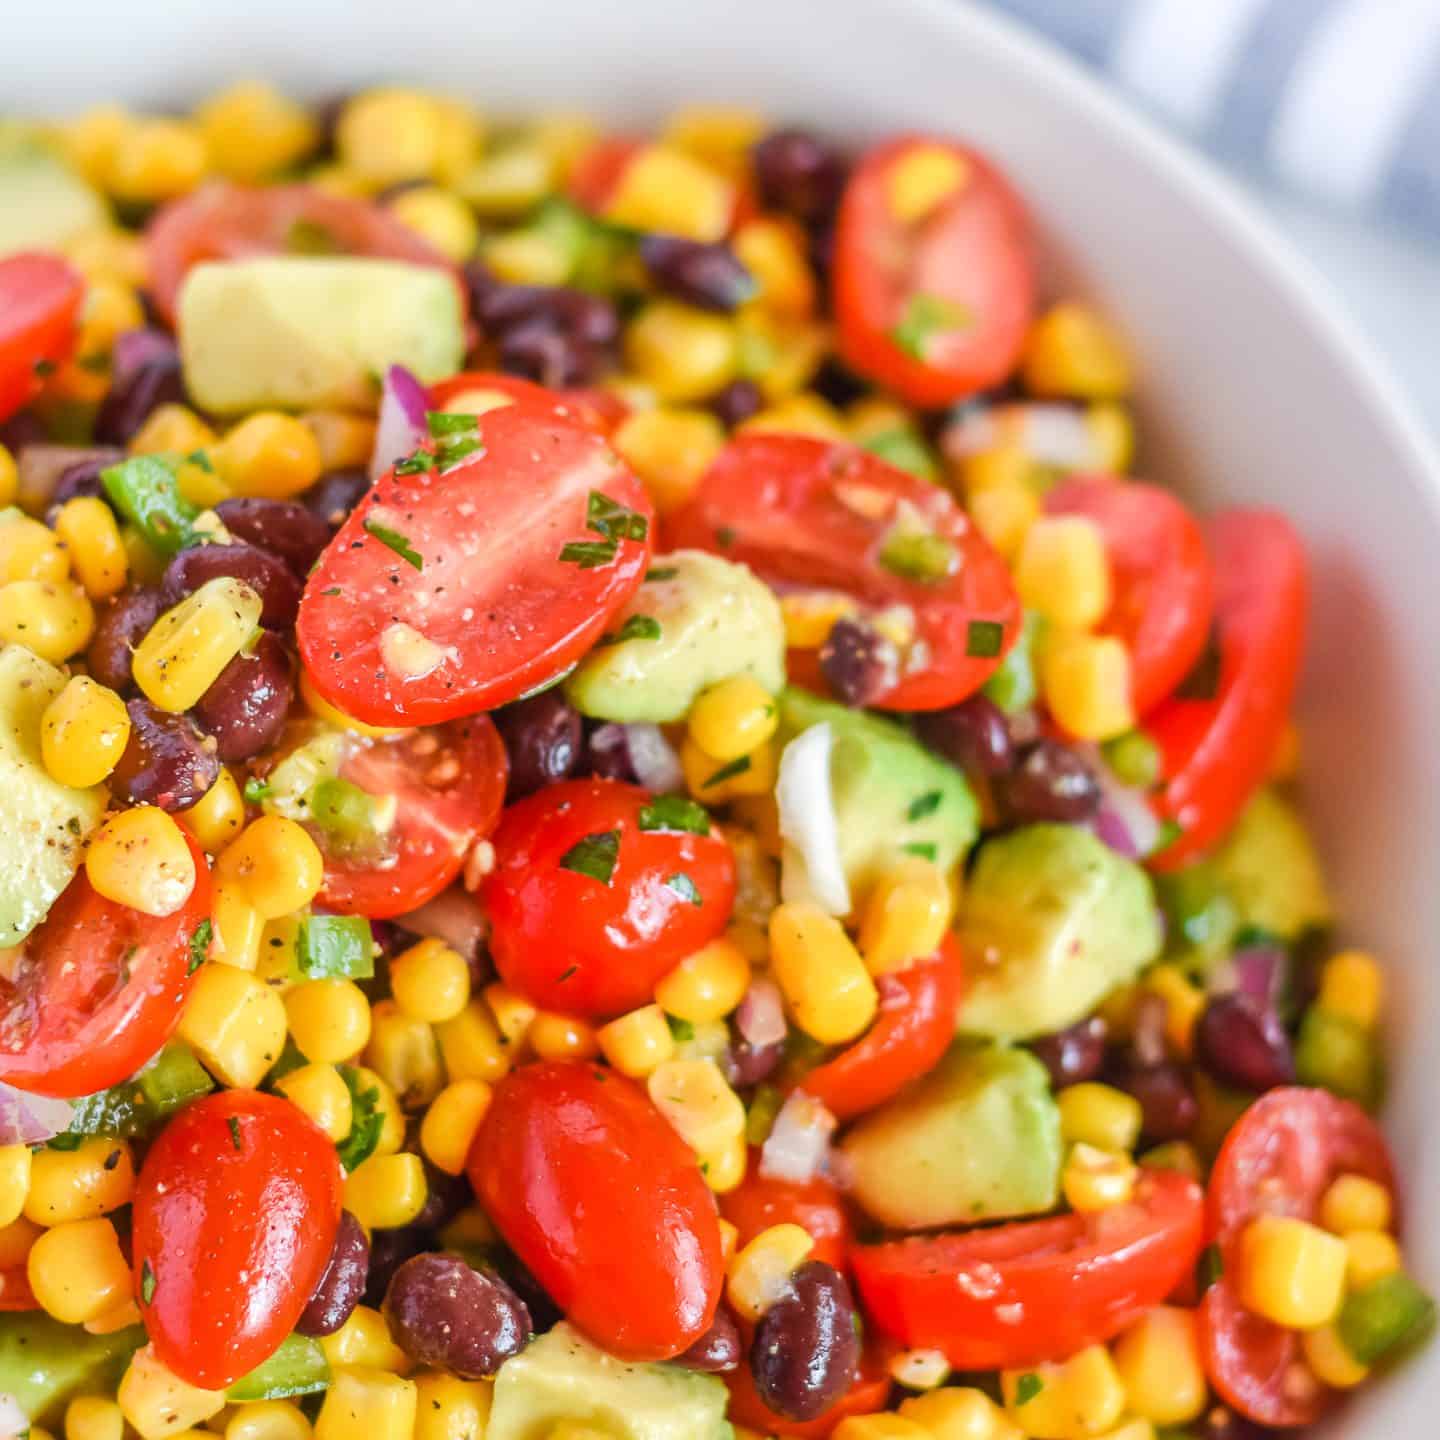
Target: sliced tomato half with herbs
(236,222)
(1280,1159)
(1164,593)
(39,308)
(1218,734)
(482,391)
(809,514)
(476,570)
(97,989)
(934,284)
(1034,1290)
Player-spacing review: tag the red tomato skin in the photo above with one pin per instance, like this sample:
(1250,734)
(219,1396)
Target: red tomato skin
(1217,752)
(759,1202)
(868,1395)
(15,1291)
(595,409)
(1163,583)
(1076,1281)
(604,1203)
(67,1027)
(976,249)
(507,613)
(570,942)
(1279,1159)
(914,1028)
(40,299)
(776,503)
(235,1213)
(434,826)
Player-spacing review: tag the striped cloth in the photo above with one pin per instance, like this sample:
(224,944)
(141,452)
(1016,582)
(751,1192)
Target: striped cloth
(1336,99)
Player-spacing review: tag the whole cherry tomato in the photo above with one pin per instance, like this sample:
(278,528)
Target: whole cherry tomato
(39,308)
(489,390)
(598,891)
(97,989)
(759,1202)
(235,1213)
(604,1203)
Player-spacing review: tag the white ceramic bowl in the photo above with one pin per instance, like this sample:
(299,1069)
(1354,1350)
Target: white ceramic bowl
(1254,390)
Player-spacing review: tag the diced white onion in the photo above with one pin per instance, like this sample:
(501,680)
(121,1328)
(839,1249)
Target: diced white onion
(761,1016)
(401,424)
(656,765)
(811,867)
(799,1140)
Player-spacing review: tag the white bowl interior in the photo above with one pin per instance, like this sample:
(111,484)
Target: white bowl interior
(1253,391)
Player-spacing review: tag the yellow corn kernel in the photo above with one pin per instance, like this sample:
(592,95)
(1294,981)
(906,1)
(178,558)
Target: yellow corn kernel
(319,1091)
(364,1339)
(512,1011)
(430,982)
(664,189)
(122,1317)
(329,1020)
(346,441)
(706,985)
(1158,1360)
(140,858)
(698,1102)
(781,354)
(553,1036)
(83,732)
(669,449)
(268,455)
(1112,433)
(527,257)
(802,414)
(111,307)
(87,527)
(884,1425)
(1184,1004)
(1370,1255)
(159,1403)
(172,429)
(15,1170)
(1355,1202)
(440,218)
(367,1404)
(809,617)
(684,353)
(760,1272)
(9,478)
(472,1046)
(385,136)
(720,135)
(1291,1272)
(275,864)
(322,709)
(924,178)
(1330,1360)
(107,252)
(156,159)
(449,1408)
(1001,467)
(189,645)
(234,1023)
(906,915)
(1004,514)
(1353,985)
(1099,1115)
(1095,1179)
(93,1417)
(637,1042)
(405,1053)
(1081,1397)
(1073,353)
(714,781)
(830,993)
(237,928)
(253,132)
(773,250)
(267,1420)
(386,1191)
(51,619)
(725,1168)
(216,818)
(147,565)
(732,718)
(77,1271)
(509,183)
(959,1413)
(462,132)
(88,140)
(1086,683)
(1063,571)
(449,1125)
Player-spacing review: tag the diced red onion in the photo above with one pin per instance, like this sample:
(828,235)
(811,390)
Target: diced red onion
(1151,1021)
(13,1420)
(1257,971)
(401,426)
(656,765)
(27,1119)
(812,867)
(137,348)
(453,916)
(1053,434)
(761,1016)
(799,1141)
(1125,821)
(39,468)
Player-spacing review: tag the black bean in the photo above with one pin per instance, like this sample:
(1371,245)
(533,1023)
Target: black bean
(133,397)
(746,1064)
(342,1283)
(718,1349)
(21,430)
(119,628)
(806,1347)
(446,1196)
(587,318)
(837,383)
(858,662)
(1050,782)
(1074,1054)
(799,173)
(1166,1098)
(443,1313)
(283,527)
(539,351)
(83,478)
(265,573)
(543,737)
(389,1250)
(1239,1039)
(708,276)
(168,761)
(737,402)
(332,497)
(246,705)
(973,735)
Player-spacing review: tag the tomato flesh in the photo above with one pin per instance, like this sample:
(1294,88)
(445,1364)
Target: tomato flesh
(604,1203)
(235,1213)
(573,941)
(483,609)
(968,260)
(812,514)
(39,309)
(759,1202)
(98,989)
(595,409)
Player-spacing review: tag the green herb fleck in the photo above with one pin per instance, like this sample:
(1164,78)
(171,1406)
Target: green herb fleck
(594,856)
(366,1120)
(256,790)
(233,1121)
(923,805)
(201,461)
(147,1283)
(637,627)
(613,520)
(394,540)
(662,572)
(1027,1388)
(96,364)
(331,590)
(684,887)
(416,464)
(925,317)
(682,1030)
(310,237)
(725,537)
(984,638)
(200,945)
(917,554)
(728,772)
(923,848)
(588,554)
(568,974)
(1212,1266)
(905,450)
(441,423)
(674,812)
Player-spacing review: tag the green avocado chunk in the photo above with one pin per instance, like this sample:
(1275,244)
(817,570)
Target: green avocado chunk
(43,204)
(44,1363)
(1271,872)
(1052,920)
(303,332)
(976,1139)
(562,1376)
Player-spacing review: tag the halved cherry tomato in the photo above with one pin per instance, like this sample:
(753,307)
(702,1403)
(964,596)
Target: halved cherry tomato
(236,1209)
(1217,750)
(594,896)
(39,307)
(806,513)
(759,1202)
(1278,1160)
(868,1395)
(449,784)
(98,988)
(1034,1290)
(1163,585)
(597,172)
(934,308)
(234,222)
(604,1203)
(597,410)
(914,1027)
(444,594)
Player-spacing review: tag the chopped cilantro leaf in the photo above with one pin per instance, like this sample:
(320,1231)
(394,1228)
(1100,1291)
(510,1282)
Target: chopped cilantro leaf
(923,848)
(729,772)
(925,317)
(233,1121)
(1027,1388)
(674,812)
(147,1283)
(366,1123)
(200,945)
(594,856)
(588,554)
(923,805)
(637,627)
(684,887)
(394,540)
(984,638)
